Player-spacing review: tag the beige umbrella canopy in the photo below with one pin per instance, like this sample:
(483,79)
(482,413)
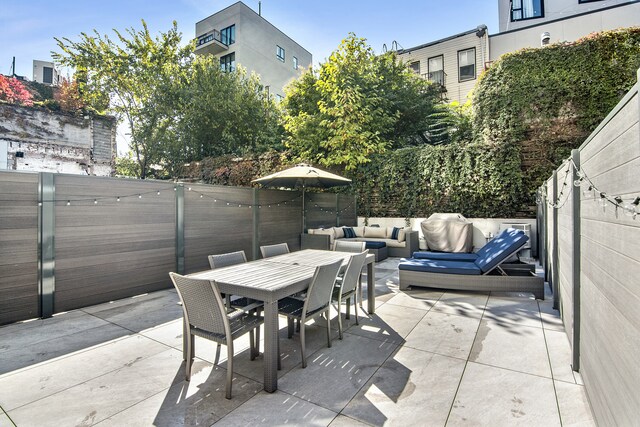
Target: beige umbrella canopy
(303,175)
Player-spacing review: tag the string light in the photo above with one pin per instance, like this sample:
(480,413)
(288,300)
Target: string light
(630,209)
(118,199)
(158,193)
(95,201)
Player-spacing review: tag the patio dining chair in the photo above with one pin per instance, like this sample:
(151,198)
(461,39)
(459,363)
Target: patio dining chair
(274,250)
(342,246)
(206,316)
(346,287)
(226,260)
(316,303)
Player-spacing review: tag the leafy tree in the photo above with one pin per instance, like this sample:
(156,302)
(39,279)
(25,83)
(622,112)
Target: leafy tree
(127,78)
(221,113)
(13,91)
(357,105)
(127,166)
(68,96)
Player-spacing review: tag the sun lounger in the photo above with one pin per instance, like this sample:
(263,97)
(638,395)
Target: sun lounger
(484,273)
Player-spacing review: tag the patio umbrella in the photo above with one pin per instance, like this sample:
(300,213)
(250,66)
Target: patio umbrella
(303,175)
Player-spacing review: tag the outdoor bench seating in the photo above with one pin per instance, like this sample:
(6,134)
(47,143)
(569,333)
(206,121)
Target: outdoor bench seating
(400,242)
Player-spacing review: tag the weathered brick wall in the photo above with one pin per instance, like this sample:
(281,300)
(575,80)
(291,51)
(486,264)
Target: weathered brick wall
(46,141)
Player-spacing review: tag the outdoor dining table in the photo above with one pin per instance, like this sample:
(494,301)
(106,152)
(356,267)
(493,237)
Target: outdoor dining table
(272,279)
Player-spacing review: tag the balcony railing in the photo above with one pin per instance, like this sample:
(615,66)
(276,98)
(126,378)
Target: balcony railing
(212,42)
(438,77)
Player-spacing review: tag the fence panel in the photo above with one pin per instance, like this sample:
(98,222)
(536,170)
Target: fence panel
(321,210)
(280,217)
(348,209)
(565,247)
(112,249)
(220,221)
(18,246)
(610,337)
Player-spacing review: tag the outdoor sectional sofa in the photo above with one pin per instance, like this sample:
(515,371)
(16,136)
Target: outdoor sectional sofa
(482,271)
(402,243)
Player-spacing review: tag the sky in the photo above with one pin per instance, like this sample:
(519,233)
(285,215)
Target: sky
(27,29)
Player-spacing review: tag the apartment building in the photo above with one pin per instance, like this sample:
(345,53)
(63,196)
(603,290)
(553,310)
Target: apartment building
(522,24)
(454,62)
(238,35)
(45,72)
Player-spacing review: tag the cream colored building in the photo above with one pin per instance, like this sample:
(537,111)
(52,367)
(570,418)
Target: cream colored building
(523,24)
(454,62)
(240,36)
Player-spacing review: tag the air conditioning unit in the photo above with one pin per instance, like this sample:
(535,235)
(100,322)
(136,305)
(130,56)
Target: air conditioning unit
(524,227)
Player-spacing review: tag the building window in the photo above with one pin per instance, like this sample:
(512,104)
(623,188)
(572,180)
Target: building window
(228,35)
(415,67)
(280,53)
(228,62)
(436,69)
(467,64)
(279,97)
(526,9)
(295,63)
(47,75)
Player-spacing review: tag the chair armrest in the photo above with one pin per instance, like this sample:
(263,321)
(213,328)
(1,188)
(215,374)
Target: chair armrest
(315,241)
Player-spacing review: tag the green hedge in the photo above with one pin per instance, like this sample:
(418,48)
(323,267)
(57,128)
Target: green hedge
(477,180)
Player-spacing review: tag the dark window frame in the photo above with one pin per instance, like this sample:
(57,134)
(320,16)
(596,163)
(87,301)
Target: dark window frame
(228,62)
(475,65)
(413,69)
(511,9)
(278,50)
(47,72)
(588,1)
(230,37)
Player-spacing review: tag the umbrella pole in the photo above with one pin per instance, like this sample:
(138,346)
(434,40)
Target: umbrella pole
(304,213)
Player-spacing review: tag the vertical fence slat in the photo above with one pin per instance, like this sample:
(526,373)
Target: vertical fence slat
(555,273)
(179,190)
(46,243)
(575,201)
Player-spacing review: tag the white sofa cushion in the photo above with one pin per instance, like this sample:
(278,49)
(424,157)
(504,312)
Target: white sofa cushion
(375,232)
(338,232)
(403,234)
(359,231)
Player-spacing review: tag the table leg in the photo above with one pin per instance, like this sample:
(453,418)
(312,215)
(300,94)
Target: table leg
(270,346)
(371,288)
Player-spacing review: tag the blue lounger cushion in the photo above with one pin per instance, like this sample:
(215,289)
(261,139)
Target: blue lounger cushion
(446,256)
(500,248)
(438,266)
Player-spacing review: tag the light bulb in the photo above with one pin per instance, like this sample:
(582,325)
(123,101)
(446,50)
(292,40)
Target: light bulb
(577,182)
(588,193)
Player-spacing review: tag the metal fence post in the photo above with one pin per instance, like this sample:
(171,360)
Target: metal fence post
(575,204)
(337,210)
(256,224)
(46,243)
(180,268)
(555,274)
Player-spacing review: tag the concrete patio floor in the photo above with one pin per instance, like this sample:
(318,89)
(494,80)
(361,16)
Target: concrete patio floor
(428,358)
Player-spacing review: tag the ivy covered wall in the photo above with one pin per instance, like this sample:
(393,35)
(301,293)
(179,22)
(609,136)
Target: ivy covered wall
(529,110)
(477,180)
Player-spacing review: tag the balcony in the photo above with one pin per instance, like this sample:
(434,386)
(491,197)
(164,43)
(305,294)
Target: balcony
(212,43)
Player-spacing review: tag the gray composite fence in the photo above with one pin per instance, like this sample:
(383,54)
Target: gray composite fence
(591,257)
(69,241)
